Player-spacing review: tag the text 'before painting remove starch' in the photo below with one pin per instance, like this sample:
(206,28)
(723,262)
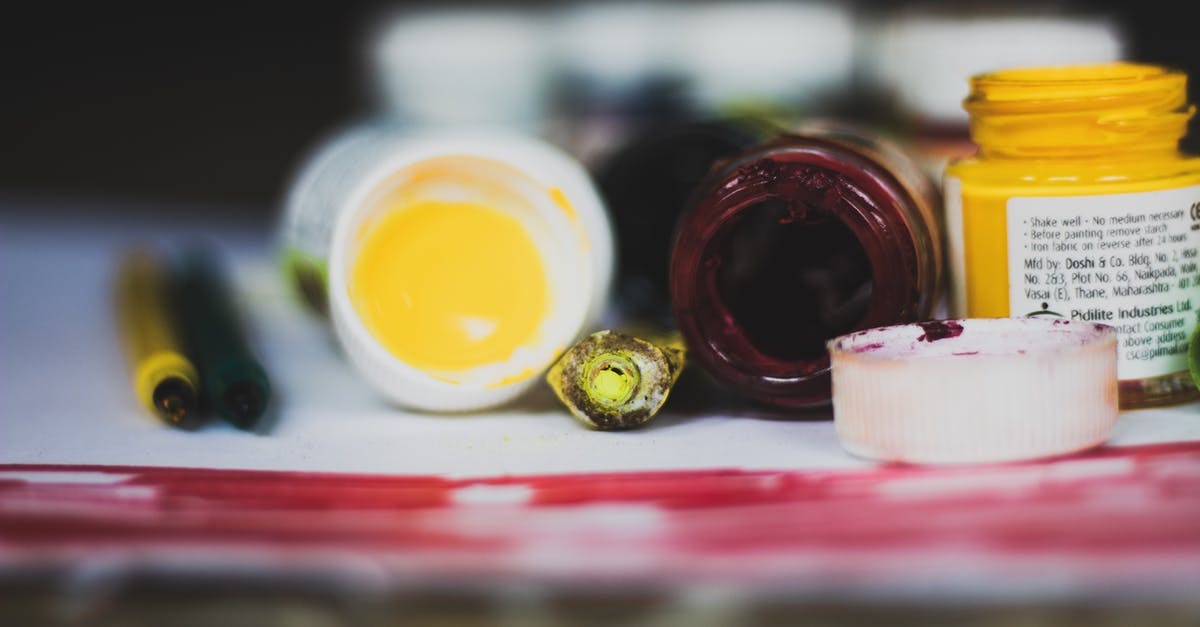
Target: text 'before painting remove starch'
(1127,260)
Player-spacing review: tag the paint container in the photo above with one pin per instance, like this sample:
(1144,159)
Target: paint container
(807,237)
(1081,205)
(975,390)
(459,264)
(646,185)
(460,65)
(765,57)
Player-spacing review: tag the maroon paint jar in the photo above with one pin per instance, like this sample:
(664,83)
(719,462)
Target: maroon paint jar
(812,235)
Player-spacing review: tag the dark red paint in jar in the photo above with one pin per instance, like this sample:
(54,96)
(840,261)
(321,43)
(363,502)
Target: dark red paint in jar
(810,236)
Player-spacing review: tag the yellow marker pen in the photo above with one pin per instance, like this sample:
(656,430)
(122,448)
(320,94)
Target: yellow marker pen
(164,378)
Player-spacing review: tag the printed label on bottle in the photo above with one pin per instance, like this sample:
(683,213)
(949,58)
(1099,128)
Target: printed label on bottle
(1126,260)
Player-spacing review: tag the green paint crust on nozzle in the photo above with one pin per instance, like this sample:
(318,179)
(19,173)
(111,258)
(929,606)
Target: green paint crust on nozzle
(613,381)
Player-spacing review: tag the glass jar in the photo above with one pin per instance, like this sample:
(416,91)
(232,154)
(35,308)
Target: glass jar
(812,235)
(1080,204)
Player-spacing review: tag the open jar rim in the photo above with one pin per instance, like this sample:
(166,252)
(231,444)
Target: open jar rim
(1077,88)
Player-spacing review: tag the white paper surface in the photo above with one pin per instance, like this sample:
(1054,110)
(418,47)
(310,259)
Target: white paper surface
(65,395)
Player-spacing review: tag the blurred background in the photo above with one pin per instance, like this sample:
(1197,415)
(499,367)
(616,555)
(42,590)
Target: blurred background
(207,110)
(185,104)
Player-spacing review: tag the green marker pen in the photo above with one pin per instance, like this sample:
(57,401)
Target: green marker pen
(613,381)
(235,384)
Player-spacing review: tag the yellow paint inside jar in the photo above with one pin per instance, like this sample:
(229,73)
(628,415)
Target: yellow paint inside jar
(450,286)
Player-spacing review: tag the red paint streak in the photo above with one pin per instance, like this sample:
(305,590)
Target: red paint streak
(1114,510)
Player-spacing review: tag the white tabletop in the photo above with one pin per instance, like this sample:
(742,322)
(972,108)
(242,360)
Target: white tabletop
(66,398)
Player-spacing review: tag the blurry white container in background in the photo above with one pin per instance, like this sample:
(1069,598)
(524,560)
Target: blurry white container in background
(461,66)
(615,73)
(921,59)
(789,56)
(591,74)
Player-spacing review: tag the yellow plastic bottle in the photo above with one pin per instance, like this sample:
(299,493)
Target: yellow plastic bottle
(1081,205)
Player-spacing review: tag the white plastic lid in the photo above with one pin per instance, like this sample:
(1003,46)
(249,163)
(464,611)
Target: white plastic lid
(786,52)
(462,66)
(926,58)
(615,46)
(975,390)
(575,242)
